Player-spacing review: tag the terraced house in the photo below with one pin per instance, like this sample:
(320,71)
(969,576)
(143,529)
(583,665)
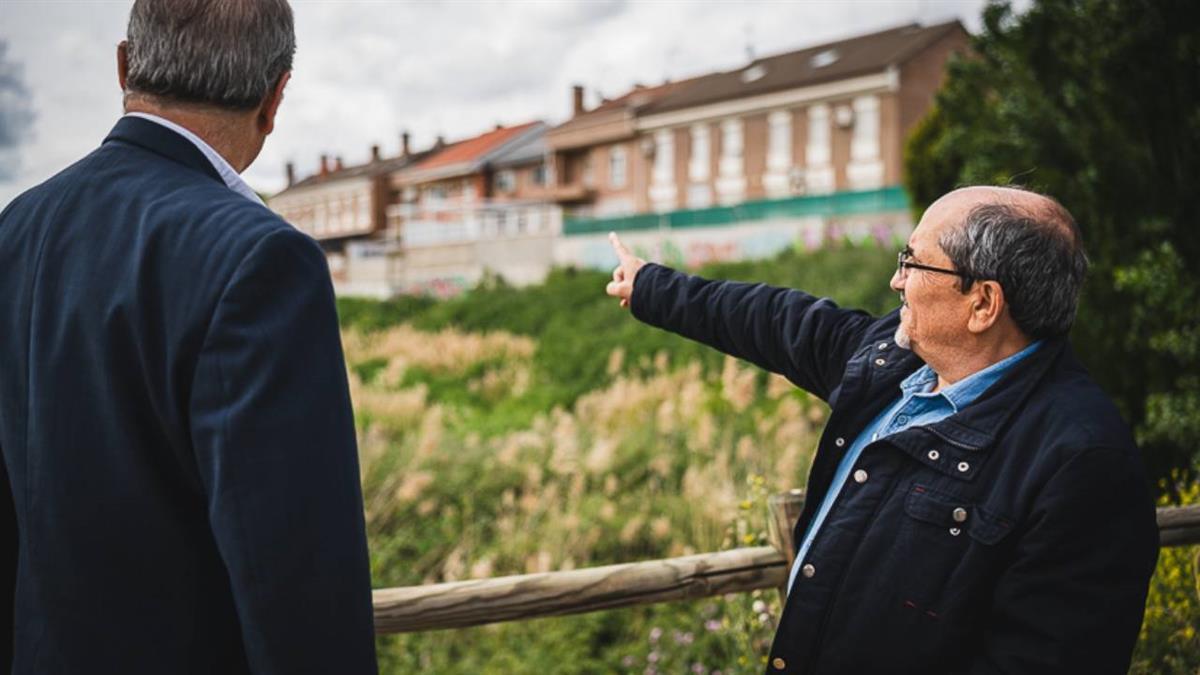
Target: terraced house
(803,145)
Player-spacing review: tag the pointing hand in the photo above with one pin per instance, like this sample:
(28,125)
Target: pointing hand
(622,284)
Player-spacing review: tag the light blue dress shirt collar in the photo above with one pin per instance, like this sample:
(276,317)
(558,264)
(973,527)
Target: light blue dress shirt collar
(231,177)
(965,391)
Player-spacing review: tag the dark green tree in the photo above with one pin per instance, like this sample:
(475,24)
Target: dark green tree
(1097,102)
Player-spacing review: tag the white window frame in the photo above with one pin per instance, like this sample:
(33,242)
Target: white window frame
(618,167)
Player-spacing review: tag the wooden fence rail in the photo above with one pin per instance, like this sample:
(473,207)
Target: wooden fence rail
(460,604)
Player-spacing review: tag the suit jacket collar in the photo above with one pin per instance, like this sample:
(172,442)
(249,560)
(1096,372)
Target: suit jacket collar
(162,141)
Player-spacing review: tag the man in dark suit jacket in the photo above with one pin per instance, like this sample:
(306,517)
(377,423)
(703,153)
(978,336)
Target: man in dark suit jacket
(180,472)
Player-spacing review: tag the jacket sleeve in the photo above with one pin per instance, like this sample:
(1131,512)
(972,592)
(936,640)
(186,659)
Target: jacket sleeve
(806,339)
(273,433)
(1073,599)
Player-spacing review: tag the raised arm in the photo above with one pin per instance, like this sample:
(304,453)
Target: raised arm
(804,338)
(274,438)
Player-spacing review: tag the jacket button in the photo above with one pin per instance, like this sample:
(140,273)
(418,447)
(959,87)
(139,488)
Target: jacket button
(839,441)
(779,663)
(934,454)
(860,476)
(964,467)
(808,570)
(959,514)
(880,362)
(882,345)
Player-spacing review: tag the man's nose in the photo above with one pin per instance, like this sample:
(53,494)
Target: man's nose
(897,282)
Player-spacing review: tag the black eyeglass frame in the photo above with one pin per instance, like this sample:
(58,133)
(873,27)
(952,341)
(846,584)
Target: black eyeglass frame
(902,264)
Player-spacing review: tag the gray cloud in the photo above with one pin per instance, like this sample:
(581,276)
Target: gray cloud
(16,113)
(365,70)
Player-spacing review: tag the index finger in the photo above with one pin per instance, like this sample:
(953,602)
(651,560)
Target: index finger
(622,252)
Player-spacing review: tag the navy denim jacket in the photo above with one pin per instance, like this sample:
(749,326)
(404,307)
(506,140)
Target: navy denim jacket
(1015,536)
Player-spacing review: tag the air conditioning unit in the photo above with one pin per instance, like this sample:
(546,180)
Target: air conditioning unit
(843,116)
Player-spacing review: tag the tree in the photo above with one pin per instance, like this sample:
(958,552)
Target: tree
(1097,102)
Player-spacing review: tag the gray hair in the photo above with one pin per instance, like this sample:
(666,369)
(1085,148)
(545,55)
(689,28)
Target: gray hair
(1035,254)
(224,53)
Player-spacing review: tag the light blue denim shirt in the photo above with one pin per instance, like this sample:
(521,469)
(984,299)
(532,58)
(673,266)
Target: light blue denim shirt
(918,405)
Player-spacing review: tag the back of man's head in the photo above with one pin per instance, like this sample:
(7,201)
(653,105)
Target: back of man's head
(227,54)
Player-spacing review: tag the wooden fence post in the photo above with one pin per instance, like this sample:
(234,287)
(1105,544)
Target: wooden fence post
(785,510)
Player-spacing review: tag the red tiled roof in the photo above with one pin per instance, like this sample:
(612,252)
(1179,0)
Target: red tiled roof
(473,148)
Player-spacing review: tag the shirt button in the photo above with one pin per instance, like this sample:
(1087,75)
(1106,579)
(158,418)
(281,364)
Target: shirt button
(959,514)
(779,663)
(839,441)
(860,476)
(880,362)
(934,454)
(808,571)
(964,467)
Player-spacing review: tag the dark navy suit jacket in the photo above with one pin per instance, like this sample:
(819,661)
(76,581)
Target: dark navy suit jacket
(181,487)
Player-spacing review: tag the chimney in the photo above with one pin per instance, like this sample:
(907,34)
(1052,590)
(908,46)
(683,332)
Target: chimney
(337,163)
(291,173)
(440,142)
(499,126)
(324,165)
(404,139)
(577,99)
(375,153)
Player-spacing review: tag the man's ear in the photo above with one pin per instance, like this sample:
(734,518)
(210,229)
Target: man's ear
(270,105)
(122,63)
(987,305)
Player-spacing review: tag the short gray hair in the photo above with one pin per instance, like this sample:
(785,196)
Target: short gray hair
(1035,254)
(224,53)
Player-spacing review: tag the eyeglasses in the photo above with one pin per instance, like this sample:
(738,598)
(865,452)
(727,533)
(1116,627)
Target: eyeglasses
(903,265)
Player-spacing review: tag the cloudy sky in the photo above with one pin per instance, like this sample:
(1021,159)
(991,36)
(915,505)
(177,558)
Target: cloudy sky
(365,70)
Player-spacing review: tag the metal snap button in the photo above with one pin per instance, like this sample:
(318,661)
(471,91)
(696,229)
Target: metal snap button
(880,362)
(964,467)
(959,514)
(779,663)
(934,455)
(808,571)
(883,345)
(954,531)
(839,441)
(860,476)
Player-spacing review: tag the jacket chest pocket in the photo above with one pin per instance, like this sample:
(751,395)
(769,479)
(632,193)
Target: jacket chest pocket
(948,544)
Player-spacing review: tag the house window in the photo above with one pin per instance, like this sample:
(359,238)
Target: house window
(539,174)
(817,153)
(617,166)
(506,181)
(865,142)
(588,175)
(701,159)
(731,143)
(779,142)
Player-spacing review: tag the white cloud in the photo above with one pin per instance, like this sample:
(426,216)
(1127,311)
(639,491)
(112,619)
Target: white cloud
(366,70)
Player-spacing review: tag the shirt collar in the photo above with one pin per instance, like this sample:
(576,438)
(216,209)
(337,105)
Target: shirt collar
(231,177)
(965,391)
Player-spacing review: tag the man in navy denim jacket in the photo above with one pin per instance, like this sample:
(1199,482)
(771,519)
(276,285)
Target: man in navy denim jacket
(976,504)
